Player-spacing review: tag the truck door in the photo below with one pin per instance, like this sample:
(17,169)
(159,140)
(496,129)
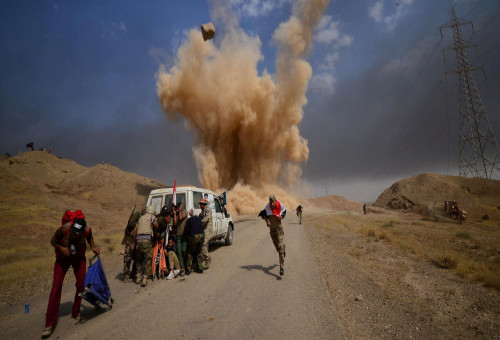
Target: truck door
(221,228)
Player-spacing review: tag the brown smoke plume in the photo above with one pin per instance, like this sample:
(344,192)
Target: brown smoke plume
(246,124)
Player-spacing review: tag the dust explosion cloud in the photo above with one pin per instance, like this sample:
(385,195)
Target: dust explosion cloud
(246,124)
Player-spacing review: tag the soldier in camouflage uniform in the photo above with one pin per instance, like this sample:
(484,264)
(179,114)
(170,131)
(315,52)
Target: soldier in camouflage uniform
(143,243)
(128,241)
(275,212)
(179,222)
(195,237)
(206,221)
(163,220)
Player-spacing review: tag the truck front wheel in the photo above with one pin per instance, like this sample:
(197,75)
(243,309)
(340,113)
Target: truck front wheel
(229,235)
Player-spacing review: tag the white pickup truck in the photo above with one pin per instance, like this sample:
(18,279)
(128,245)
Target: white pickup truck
(190,196)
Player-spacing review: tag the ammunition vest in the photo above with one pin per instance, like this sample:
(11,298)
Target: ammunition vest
(144,225)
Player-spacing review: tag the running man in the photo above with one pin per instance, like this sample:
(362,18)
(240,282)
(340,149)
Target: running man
(275,212)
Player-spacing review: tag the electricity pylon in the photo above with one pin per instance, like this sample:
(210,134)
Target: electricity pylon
(478,150)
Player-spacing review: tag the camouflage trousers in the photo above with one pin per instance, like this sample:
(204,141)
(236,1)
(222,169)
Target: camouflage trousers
(277,235)
(204,249)
(144,257)
(195,245)
(128,257)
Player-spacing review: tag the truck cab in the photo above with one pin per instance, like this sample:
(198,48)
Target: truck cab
(190,196)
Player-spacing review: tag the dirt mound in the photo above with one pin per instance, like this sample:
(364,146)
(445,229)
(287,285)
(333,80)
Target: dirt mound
(333,202)
(35,189)
(41,173)
(425,193)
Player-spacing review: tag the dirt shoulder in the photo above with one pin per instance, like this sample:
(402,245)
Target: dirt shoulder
(382,290)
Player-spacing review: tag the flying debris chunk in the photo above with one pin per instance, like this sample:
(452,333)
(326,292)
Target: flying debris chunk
(208,31)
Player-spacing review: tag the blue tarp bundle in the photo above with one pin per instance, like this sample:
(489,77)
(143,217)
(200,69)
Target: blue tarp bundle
(96,285)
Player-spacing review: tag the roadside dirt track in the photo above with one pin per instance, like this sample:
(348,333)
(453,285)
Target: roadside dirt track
(240,296)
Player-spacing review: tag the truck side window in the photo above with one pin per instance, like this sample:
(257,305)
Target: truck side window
(197,196)
(217,206)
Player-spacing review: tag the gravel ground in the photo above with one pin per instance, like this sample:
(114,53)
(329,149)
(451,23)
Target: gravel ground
(379,291)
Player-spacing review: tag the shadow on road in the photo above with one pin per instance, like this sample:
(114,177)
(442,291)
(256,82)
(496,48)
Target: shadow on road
(90,312)
(266,270)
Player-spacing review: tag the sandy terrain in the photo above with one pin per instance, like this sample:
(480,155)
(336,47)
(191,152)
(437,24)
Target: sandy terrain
(380,290)
(348,275)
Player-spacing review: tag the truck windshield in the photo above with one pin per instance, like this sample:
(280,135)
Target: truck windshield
(156,202)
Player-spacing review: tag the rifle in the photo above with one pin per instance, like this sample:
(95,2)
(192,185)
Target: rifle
(129,218)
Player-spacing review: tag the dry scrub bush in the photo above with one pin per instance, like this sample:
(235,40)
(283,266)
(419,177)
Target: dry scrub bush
(355,252)
(389,224)
(472,253)
(462,234)
(383,236)
(443,260)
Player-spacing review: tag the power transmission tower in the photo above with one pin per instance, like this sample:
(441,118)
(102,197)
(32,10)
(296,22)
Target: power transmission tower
(478,150)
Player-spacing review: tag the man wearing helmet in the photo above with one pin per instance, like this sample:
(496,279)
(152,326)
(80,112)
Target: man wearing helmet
(128,242)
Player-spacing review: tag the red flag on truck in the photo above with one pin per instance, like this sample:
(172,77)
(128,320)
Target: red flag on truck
(174,196)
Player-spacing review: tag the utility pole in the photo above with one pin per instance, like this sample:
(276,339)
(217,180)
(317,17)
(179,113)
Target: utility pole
(478,150)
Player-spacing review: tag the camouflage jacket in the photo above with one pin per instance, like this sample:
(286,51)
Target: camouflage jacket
(206,218)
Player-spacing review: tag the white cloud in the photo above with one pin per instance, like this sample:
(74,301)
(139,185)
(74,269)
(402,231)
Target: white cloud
(391,16)
(257,8)
(376,11)
(330,61)
(323,82)
(112,30)
(328,32)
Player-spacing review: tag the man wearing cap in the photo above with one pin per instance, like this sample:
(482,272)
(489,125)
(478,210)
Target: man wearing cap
(70,247)
(275,212)
(143,243)
(206,222)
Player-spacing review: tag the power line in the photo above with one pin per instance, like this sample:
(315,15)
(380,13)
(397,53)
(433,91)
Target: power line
(473,8)
(478,149)
(410,86)
(487,23)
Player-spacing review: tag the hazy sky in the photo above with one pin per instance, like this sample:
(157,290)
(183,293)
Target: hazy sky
(79,77)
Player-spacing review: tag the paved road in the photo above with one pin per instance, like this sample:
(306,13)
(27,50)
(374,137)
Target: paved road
(241,296)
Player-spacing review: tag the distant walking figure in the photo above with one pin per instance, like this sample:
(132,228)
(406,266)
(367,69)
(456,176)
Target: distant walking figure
(364,209)
(299,213)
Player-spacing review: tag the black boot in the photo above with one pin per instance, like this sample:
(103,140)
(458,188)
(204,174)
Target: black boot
(282,271)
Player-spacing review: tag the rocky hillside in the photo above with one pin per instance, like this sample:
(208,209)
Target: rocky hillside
(333,202)
(43,181)
(425,193)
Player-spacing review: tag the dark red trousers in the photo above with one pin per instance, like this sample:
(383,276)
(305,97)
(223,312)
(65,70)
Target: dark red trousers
(60,268)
